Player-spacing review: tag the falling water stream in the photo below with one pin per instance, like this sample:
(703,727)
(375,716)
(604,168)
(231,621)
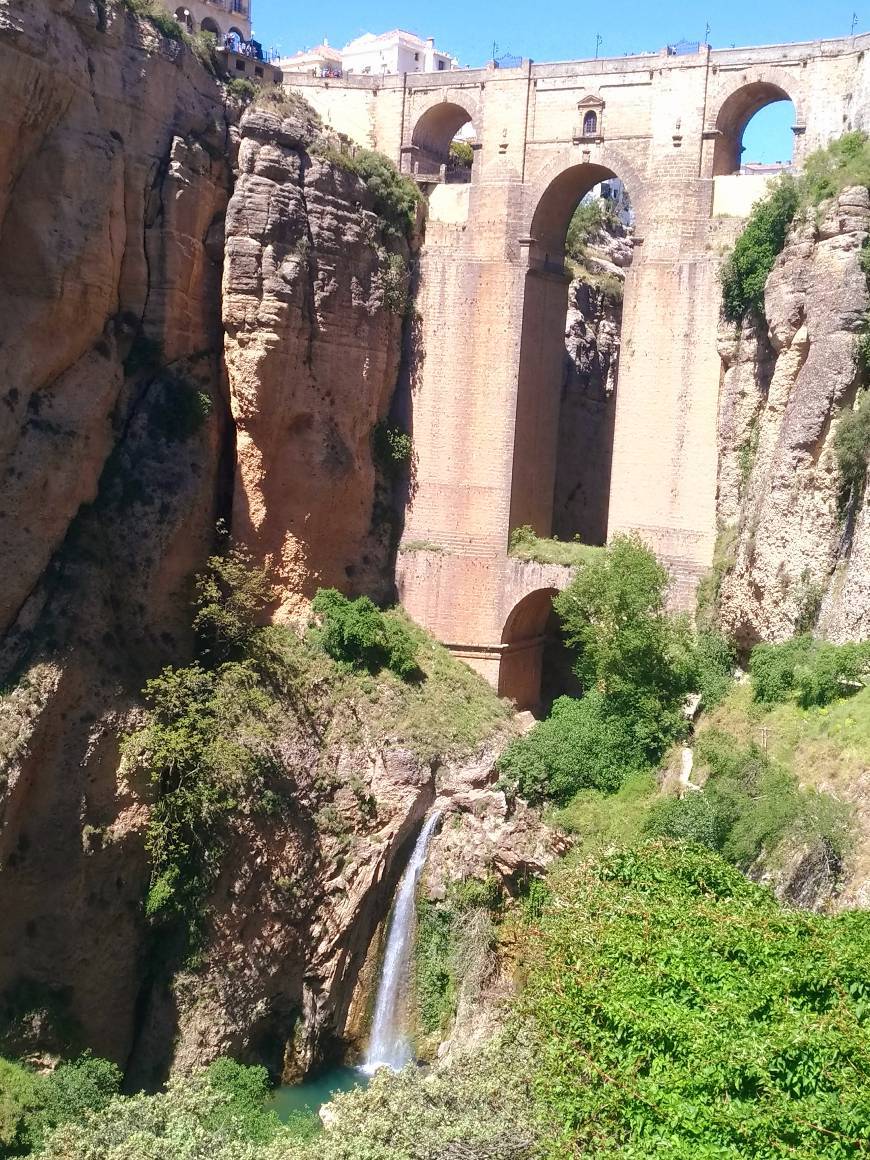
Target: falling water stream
(389,1045)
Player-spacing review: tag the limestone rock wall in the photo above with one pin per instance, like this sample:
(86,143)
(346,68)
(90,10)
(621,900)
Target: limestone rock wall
(314,290)
(114,185)
(792,558)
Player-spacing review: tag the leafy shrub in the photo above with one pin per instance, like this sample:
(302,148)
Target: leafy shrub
(588,219)
(852,446)
(241,89)
(714,666)
(724,557)
(755,251)
(461,154)
(356,633)
(748,806)
(581,745)
(232,595)
(32,1105)
(828,171)
(157,14)
(394,280)
(681,1013)
(815,672)
(434,966)
(392,448)
(243,1110)
(395,196)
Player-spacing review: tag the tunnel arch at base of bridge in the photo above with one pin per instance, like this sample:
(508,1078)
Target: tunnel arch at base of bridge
(542,338)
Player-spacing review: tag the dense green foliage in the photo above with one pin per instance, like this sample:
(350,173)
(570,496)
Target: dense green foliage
(826,172)
(526,545)
(178,409)
(814,672)
(636,664)
(745,272)
(357,633)
(681,1013)
(749,805)
(392,448)
(32,1105)
(852,446)
(461,154)
(588,219)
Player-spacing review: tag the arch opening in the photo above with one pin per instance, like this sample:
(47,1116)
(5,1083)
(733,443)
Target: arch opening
(756,120)
(443,142)
(535,665)
(580,252)
(207,24)
(184,18)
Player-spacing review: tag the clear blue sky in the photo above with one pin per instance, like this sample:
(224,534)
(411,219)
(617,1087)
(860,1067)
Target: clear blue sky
(548,30)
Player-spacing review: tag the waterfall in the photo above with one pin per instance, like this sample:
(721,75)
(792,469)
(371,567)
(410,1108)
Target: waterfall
(389,1045)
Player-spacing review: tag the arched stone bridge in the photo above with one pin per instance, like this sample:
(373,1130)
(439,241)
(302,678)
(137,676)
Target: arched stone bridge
(485,402)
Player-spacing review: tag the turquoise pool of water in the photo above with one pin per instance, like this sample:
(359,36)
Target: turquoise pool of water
(308,1096)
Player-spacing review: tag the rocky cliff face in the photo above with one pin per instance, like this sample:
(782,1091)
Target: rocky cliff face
(113,448)
(794,560)
(314,292)
(119,455)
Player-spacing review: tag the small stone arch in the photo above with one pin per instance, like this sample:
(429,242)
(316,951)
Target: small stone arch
(523,639)
(209,24)
(735,113)
(184,18)
(433,131)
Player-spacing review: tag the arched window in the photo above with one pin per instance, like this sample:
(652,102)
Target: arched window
(182,15)
(209,25)
(590,124)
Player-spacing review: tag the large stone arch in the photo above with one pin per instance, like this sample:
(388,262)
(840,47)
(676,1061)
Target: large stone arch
(736,105)
(553,199)
(434,127)
(523,638)
(551,192)
(209,24)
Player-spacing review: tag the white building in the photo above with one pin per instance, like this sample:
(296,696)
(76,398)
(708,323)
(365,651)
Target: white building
(393,52)
(322,61)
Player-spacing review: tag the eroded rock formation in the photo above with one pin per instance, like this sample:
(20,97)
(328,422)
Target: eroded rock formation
(314,291)
(798,560)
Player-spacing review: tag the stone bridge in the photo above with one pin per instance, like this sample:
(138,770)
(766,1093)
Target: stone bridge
(484,401)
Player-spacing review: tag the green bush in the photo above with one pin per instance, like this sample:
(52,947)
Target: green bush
(588,219)
(715,659)
(159,15)
(241,89)
(357,633)
(462,154)
(232,596)
(852,446)
(394,279)
(755,251)
(581,745)
(32,1105)
(434,966)
(392,448)
(395,196)
(828,171)
(813,672)
(749,806)
(681,1013)
(243,1109)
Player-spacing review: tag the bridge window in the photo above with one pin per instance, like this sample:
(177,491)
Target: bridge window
(590,124)
(582,246)
(182,15)
(442,144)
(754,131)
(209,25)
